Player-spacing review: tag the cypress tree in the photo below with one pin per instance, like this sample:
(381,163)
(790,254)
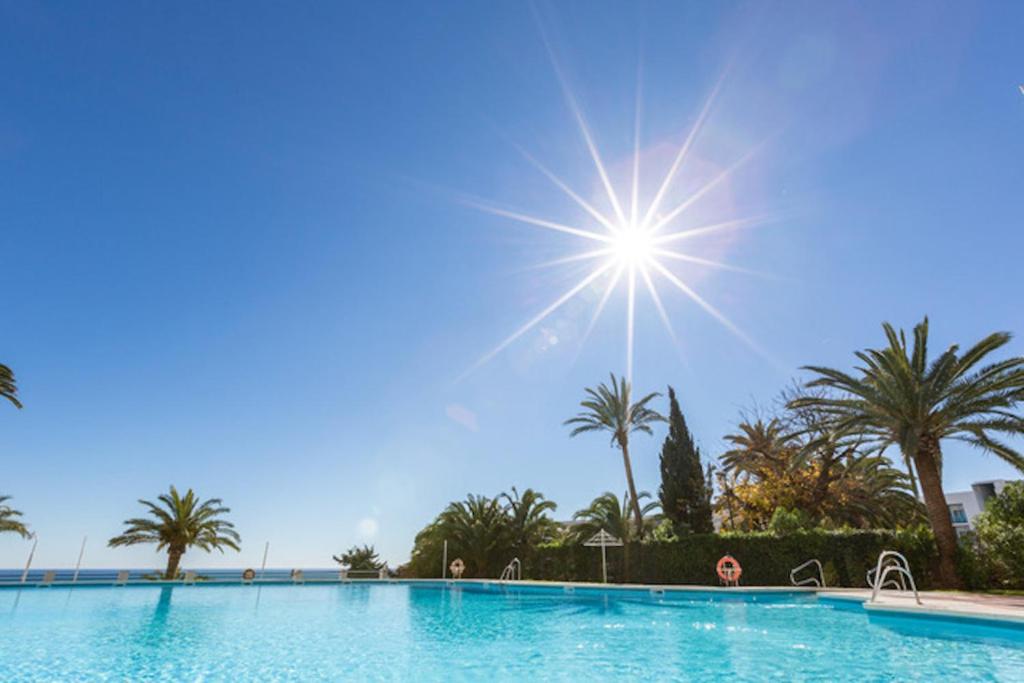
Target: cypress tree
(685,487)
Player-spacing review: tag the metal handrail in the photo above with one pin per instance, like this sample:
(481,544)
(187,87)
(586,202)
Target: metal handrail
(818,580)
(513,571)
(896,563)
(899,582)
(143,576)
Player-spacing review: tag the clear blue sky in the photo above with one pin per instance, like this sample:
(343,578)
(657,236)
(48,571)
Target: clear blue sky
(235,255)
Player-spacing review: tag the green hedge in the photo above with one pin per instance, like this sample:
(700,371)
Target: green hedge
(766,558)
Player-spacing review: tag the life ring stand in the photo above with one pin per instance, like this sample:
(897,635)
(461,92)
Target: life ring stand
(729,570)
(457,567)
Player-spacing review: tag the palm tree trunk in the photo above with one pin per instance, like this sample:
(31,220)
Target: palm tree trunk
(637,515)
(913,479)
(173,560)
(926,462)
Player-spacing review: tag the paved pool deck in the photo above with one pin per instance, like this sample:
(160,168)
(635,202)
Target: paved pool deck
(945,603)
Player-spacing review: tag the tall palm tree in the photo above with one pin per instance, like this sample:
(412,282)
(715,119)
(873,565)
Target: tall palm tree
(8,386)
(182,522)
(611,410)
(898,398)
(10,519)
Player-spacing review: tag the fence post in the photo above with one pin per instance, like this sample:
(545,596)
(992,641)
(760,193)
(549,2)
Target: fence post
(35,542)
(78,565)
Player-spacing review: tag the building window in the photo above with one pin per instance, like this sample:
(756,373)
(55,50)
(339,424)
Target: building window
(957,513)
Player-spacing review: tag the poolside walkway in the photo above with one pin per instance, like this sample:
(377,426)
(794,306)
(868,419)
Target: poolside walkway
(950,603)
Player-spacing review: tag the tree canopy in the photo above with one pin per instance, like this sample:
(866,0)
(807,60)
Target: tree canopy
(685,491)
(178,523)
(360,558)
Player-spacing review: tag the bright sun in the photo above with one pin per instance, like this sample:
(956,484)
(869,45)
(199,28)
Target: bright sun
(632,247)
(631,243)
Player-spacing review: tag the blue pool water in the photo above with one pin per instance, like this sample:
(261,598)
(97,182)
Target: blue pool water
(406,632)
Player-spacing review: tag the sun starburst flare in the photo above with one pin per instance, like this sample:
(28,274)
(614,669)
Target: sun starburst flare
(633,242)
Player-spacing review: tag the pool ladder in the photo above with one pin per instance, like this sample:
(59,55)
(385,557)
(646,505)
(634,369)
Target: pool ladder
(513,571)
(891,562)
(818,580)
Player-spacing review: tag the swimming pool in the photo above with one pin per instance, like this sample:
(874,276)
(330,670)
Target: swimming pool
(389,631)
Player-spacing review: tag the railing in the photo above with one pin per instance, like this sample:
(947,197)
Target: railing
(818,580)
(349,574)
(889,562)
(108,577)
(513,571)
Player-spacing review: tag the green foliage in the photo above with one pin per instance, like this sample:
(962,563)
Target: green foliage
(766,558)
(897,397)
(1000,536)
(10,519)
(486,533)
(607,513)
(785,522)
(664,532)
(528,521)
(360,558)
(612,410)
(8,386)
(796,463)
(182,522)
(685,491)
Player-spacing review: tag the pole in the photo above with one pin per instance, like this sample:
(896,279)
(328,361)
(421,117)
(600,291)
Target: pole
(444,561)
(78,565)
(263,567)
(604,560)
(35,542)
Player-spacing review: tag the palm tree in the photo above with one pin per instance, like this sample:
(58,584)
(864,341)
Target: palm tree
(528,522)
(606,512)
(181,523)
(8,386)
(611,410)
(898,398)
(874,494)
(360,559)
(477,530)
(759,449)
(10,519)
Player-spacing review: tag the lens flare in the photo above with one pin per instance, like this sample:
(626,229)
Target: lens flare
(633,240)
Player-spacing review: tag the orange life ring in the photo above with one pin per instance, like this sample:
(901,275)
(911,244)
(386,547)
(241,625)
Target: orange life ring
(457,567)
(729,570)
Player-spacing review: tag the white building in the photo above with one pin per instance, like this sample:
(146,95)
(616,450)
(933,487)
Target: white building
(964,506)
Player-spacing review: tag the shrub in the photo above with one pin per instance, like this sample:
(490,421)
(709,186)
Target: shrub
(1000,537)
(766,558)
(785,521)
